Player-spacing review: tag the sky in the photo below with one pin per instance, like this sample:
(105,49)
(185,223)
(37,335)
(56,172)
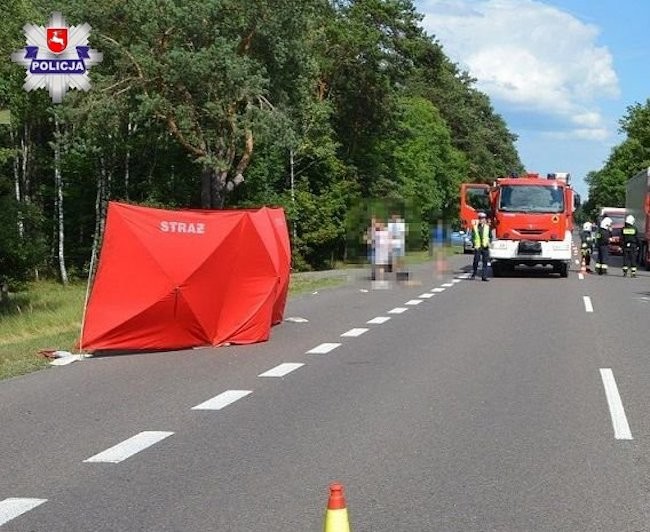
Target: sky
(560,72)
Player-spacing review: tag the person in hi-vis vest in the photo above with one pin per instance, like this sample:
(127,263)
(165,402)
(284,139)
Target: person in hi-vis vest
(481,241)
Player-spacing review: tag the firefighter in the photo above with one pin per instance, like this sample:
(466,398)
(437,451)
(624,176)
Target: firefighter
(602,241)
(481,241)
(630,246)
(587,246)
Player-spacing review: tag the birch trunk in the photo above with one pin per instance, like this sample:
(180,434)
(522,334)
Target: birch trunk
(58,183)
(130,131)
(101,207)
(24,148)
(98,225)
(21,227)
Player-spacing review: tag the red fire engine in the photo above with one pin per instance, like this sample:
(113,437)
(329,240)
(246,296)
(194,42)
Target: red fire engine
(531,216)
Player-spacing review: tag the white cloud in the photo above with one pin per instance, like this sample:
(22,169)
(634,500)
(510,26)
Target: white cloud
(530,56)
(594,133)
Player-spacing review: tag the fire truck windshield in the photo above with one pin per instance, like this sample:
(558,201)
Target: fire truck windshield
(531,198)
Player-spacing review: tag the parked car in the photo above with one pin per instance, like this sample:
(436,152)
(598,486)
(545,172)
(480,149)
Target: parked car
(468,245)
(457,238)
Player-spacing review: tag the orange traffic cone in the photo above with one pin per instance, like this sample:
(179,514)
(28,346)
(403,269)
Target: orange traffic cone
(583,267)
(336,515)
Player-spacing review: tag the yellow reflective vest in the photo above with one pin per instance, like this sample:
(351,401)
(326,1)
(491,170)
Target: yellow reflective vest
(481,240)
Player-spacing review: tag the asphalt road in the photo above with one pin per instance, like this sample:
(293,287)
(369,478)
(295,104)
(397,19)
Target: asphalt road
(483,407)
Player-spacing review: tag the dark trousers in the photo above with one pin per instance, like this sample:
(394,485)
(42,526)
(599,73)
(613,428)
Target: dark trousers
(603,257)
(481,254)
(629,259)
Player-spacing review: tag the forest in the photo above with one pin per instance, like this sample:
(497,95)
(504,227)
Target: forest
(628,158)
(328,108)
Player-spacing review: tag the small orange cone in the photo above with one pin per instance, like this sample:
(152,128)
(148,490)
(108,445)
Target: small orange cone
(336,515)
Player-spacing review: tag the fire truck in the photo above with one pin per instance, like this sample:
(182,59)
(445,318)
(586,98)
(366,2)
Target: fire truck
(637,203)
(531,217)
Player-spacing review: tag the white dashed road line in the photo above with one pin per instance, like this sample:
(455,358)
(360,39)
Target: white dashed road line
(222,400)
(353,333)
(616,410)
(323,349)
(438,290)
(15,506)
(456,281)
(397,310)
(447,285)
(426,296)
(588,306)
(129,447)
(581,276)
(413,302)
(378,320)
(282,369)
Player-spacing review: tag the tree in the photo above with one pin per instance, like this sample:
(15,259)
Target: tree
(428,169)
(607,185)
(317,106)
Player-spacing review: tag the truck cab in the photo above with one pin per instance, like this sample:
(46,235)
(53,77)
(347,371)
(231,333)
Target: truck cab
(617,215)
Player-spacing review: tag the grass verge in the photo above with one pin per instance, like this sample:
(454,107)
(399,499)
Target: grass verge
(301,285)
(48,316)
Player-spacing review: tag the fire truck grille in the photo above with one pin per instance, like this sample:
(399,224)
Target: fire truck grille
(530,231)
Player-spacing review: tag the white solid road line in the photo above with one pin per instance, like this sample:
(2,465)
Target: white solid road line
(282,369)
(322,349)
(15,506)
(129,447)
(447,285)
(398,310)
(413,302)
(353,333)
(619,421)
(588,306)
(438,290)
(222,400)
(426,296)
(581,276)
(378,320)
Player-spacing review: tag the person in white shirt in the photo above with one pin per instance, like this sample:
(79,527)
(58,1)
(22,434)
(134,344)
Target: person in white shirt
(397,231)
(382,249)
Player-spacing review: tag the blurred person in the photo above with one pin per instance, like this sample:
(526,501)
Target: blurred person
(397,232)
(630,246)
(382,249)
(481,241)
(438,246)
(370,243)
